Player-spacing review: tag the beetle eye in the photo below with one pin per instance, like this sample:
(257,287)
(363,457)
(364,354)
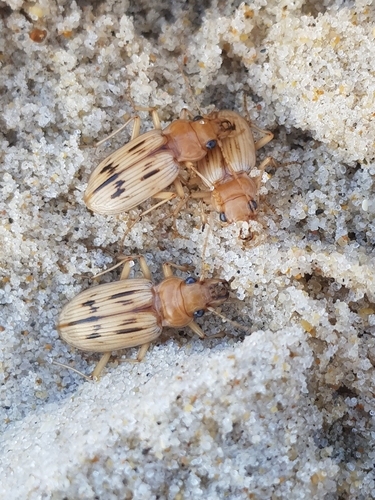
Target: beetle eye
(190,280)
(199,313)
(198,117)
(211,144)
(253,205)
(222,217)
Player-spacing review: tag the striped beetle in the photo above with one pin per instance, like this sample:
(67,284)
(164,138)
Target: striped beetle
(150,162)
(225,170)
(132,312)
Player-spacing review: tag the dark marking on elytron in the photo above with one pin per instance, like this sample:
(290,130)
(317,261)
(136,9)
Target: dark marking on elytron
(90,319)
(108,168)
(93,336)
(125,302)
(90,304)
(130,321)
(150,174)
(147,165)
(137,146)
(123,294)
(108,181)
(129,330)
(119,191)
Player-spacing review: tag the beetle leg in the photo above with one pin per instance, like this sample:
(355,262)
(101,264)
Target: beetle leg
(154,115)
(197,329)
(185,114)
(205,196)
(99,367)
(202,195)
(141,354)
(267,161)
(142,262)
(191,166)
(162,195)
(142,351)
(179,188)
(125,271)
(268,136)
(181,203)
(144,268)
(165,197)
(177,210)
(125,261)
(155,118)
(167,268)
(105,358)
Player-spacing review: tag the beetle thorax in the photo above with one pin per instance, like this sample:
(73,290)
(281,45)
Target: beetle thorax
(236,198)
(184,142)
(191,140)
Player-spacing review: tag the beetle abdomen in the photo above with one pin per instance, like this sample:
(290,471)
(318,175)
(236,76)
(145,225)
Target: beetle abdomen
(111,316)
(131,175)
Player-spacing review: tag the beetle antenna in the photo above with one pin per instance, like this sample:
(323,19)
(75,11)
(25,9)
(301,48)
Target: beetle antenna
(188,86)
(246,109)
(202,277)
(115,266)
(73,369)
(234,323)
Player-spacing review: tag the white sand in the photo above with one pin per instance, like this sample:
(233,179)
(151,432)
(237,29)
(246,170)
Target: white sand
(286,412)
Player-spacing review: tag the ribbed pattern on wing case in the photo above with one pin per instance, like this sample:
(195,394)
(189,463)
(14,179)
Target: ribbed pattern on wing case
(131,175)
(111,316)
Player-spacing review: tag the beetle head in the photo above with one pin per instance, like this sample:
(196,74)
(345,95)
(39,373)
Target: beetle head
(210,129)
(235,200)
(200,295)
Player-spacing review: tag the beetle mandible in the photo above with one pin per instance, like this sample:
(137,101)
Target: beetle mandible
(132,312)
(150,162)
(225,170)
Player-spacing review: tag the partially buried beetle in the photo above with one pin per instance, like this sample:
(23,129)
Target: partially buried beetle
(150,162)
(132,312)
(225,170)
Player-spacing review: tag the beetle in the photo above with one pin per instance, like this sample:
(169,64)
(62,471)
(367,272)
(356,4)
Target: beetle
(132,312)
(225,170)
(150,162)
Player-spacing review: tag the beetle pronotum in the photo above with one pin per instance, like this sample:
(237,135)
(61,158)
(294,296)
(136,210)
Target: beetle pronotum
(132,312)
(150,162)
(225,170)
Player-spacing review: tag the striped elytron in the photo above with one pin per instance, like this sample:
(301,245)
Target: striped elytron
(225,170)
(132,312)
(150,162)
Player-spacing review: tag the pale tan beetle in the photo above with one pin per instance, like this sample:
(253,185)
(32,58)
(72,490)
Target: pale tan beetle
(132,312)
(150,162)
(225,170)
